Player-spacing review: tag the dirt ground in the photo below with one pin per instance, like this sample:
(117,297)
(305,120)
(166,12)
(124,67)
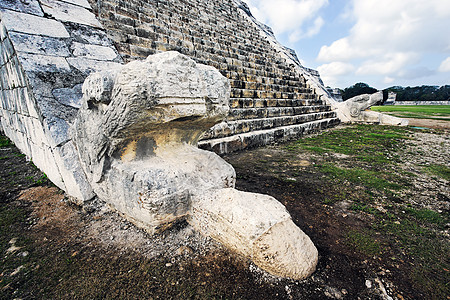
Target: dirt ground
(53,249)
(428,123)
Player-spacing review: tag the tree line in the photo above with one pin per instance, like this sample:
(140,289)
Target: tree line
(417,93)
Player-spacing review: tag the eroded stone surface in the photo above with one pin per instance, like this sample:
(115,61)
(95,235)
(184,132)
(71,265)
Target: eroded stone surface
(137,131)
(136,135)
(356,110)
(257,226)
(32,24)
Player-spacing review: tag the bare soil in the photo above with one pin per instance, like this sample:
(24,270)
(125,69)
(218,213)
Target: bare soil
(53,249)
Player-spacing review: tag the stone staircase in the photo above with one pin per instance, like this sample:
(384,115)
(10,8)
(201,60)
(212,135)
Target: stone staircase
(270,100)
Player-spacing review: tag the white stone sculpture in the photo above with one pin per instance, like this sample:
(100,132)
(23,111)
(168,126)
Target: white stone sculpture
(136,135)
(356,109)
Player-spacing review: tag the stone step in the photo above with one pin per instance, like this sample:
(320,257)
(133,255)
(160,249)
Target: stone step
(264,137)
(270,112)
(268,101)
(229,128)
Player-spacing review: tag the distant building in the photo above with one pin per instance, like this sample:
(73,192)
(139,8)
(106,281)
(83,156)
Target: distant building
(391,98)
(335,93)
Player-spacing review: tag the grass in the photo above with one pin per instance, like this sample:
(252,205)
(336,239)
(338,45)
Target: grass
(417,240)
(363,242)
(370,179)
(368,143)
(426,216)
(41,180)
(397,230)
(435,112)
(439,170)
(4,141)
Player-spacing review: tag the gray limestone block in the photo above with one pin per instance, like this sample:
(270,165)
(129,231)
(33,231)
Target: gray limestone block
(3,81)
(72,173)
(31,103)
(19,139)
(39,85)
(88,35)
(20,95)
(44,159)
(93,51)
(43,63)
(14,74)
(69,96)
(7,50)
(35,131)
(16,122)
(3,32)
(39,44)
(2,99)
(24,6)
(22,80)
(67,12)
(87,66)
(5,99)
(25,23)
(83,3)
(2,62)
(57,131)
(50,108)
(9,103)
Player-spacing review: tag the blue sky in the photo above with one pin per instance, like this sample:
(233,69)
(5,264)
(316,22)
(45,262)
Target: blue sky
(379,42)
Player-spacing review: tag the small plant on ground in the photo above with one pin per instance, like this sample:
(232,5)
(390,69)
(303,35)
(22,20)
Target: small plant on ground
(4,141)
(439,170)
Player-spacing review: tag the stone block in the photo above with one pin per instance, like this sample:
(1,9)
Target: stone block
(39,85)
(15,77)
(31,103)
(3,32)
(67,12)
(39,44)
(37,63)
(31,24)
(49,108)
(4,100)
(257,226)
(88,35)
(44,159)
(35,131)
(20,95)
(93,51)
(82,3)
(87,66)
(57,131)
(72,173)
(69,96)
(24,6)
(7,50)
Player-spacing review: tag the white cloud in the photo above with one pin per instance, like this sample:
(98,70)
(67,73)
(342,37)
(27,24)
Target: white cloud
(314,29)
(445,65)
(297,18)
(332,71)
(391,38)
(389,63)
(388,80)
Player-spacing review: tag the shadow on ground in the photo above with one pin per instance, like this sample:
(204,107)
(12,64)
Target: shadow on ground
(374,200)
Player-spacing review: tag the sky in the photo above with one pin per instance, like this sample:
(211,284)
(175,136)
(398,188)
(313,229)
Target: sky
(379,42)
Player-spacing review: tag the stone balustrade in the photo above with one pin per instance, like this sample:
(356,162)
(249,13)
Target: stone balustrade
(263,83)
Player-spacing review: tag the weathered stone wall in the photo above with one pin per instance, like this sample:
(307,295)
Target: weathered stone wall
(49,47)
(47,50)
(270,100)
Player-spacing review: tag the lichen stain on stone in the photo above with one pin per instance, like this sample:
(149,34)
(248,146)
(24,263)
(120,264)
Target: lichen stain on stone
(129,153)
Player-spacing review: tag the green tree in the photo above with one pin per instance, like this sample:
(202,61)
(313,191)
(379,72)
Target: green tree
(357,89)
